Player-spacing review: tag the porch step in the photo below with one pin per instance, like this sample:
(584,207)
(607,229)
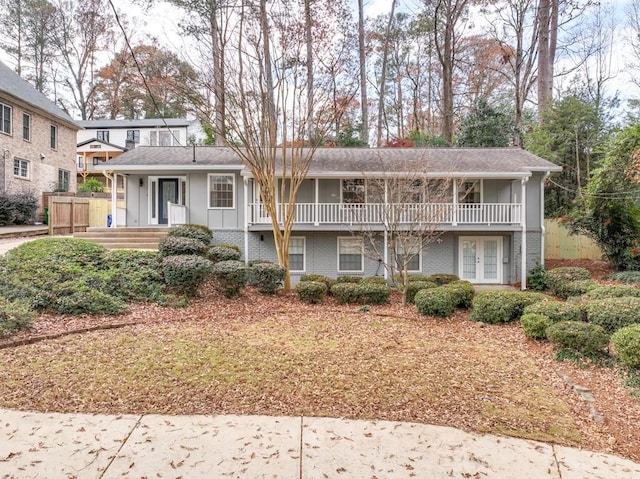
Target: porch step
(125,238)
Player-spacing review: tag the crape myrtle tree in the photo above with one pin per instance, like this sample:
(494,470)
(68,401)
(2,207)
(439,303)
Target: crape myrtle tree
(272,126)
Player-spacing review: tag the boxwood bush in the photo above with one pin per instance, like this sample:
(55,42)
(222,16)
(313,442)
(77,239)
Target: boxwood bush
(374,280)
(442,278)
(72,298)
(311,291)
(626,276)
(535,325)
(435,302)
(268,277)
(231,276)
(199,232)
(222,253)
(320,278)
(578,336)
(502,306)
(613,291)
(613,313)
(186,272)
(345,292)
(627,343)
(463,292)
(348,279)
(372,293)
(557,311)
(414,286)
(574,288)
(180,246)
(14,315)
(557,277)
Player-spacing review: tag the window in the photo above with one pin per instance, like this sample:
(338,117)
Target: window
(133,138)
(26,127)
(350,255)
(20,168)
(80,162)
(153,138)
(353,191)
(165,138)
(102,135)
(469,192)
(221,191)
(64,177)
(5,118)
(296,253)
(54,137)
(96,160)
(413,249)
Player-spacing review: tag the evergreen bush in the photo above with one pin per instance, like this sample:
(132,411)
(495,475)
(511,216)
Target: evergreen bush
(414,286)
(463,292)
(627,344)
(223,253)
(556,278)
(181,246)
(268,277)
(231,276)
(613,291)
(613,313)
(556,311)
(186,272)
(435,302)
(345,292)
(193,231)
(442,278)
(578,336)
(14,315)
(535,325)
(312,292)
(372,293)
(494,307)
(626,276)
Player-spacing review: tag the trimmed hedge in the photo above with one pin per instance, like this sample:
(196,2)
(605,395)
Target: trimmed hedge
(627,343)
(56,251)
(578,336)
(626,276)
(186,272)
(348,279)
(180,246)
(442,278)
(372,293)
(312,292)
(231,276)
(374,280)
(463,292)
(535,325)
(222,253)
(320,278)
(17,208)
(613,313)
(345,292)
(557,277)
(615,291)
(556,311)
(199,232)
(414,286)
(435,302)
(494,307)
(574,288)
(14,315)
(268,277)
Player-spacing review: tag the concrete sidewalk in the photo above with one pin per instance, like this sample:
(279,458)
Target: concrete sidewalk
(97,446)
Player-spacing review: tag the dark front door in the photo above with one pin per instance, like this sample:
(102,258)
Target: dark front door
(167,191)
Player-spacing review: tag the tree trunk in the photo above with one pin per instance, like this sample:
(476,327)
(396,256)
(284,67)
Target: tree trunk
(383,74)
(218,79)
(364,107)
(309,49)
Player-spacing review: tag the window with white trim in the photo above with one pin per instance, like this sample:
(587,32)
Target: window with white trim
(53,139)
(353,191)
(350,255)
(102,135)
(470,192)
(26,127)
(297,248)
(21,168)
(409,250)
(5,118)
(222,191)
(64,177)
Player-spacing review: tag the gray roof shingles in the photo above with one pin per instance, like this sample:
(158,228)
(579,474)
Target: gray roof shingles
(144,123)
(14,86)
(327,161)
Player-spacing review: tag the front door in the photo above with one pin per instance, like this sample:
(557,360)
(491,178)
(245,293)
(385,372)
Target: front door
(167,191)
(480,259)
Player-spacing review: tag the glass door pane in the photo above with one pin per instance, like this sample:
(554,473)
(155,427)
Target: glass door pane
(490,263)
(469,267)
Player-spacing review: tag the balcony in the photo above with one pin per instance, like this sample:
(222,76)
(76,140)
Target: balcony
(453,214)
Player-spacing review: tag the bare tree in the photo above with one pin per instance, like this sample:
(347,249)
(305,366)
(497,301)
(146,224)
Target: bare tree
(364,107)
(383,73)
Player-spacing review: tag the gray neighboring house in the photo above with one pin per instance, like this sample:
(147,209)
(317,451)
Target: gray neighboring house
(37,139)
(494,212)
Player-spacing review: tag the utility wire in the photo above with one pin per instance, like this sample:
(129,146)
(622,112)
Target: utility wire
(617,195)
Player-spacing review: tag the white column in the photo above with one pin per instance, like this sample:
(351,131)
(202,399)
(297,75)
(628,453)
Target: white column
(455,202)
(386,232)
(543,229)
(523,253)
(245,187)
(114,200)
(316,219)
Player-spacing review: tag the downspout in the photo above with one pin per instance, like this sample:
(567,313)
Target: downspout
(543,229)
(386,233)
(113,177)
(523,243)
(245,182)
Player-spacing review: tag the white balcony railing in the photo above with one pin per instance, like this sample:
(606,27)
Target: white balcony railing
(377,213)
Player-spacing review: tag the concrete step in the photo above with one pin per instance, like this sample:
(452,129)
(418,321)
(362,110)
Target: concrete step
(125,238)
(121,234)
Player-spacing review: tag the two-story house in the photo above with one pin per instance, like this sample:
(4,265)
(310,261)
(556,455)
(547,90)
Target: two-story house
(101,140)
(491,218)
(37,140)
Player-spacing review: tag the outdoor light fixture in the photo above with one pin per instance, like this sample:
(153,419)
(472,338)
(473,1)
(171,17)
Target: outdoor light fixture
(141,182)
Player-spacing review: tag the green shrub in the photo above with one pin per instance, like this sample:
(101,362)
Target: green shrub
(613,313)
(574,288)
(502,306)
(415,277)
(578,336)
(53,251)
(414,286)
(615,291)
(311,291)
(463,292)
(348,279)
(90,185)
(13,315)
(320,278)
(231,276)
(345,292)
(535,325)
(374,280)
(80,299)
(17,208)
(557,277)
(442,278)
(268,277)
(627,343)
(135,275)
(186,272)
(556,311)
(223,253)
(626,276)
(372,293)
(181,246)
(435,302)
(536,279)
(193,231)
(237,248)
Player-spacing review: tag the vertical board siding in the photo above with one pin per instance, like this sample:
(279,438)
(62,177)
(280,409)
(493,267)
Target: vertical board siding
(559,244)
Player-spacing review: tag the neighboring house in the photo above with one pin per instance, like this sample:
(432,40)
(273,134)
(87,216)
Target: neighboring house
(101,140)
(37,140)
(494,212)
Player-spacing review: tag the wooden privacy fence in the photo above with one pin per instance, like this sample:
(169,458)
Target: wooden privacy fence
(559,244)
(67,214)
(99,209)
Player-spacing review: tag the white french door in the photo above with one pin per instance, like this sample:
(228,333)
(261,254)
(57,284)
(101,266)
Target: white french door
(480,259)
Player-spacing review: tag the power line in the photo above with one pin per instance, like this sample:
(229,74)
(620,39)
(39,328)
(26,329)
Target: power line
(617,195)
